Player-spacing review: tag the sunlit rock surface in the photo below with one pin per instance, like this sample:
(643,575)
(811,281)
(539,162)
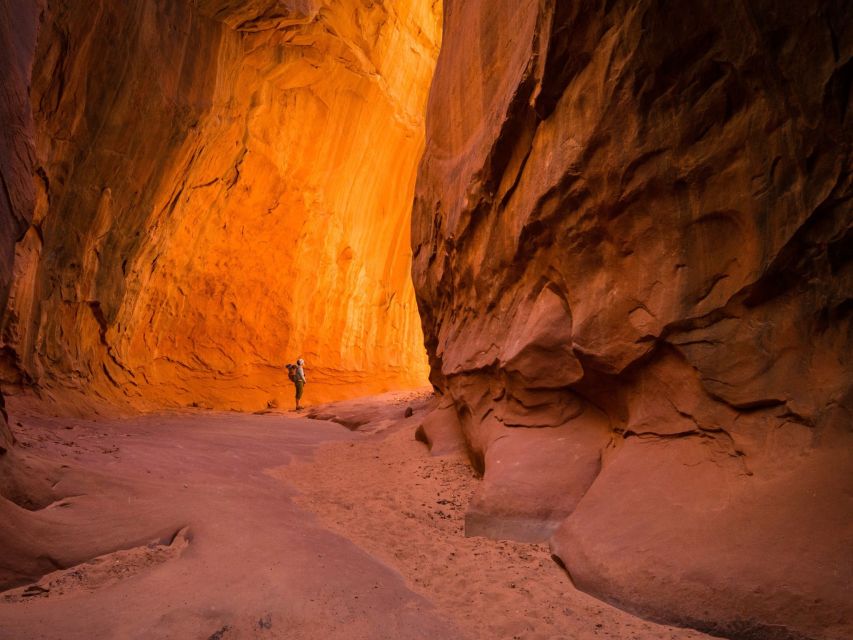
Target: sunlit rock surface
(632,243)
(219,187)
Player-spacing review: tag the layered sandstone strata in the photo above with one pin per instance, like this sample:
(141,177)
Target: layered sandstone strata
(219,188)
(632,242)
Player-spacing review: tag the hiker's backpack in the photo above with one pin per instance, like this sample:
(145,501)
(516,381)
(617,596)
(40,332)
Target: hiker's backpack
(291,373)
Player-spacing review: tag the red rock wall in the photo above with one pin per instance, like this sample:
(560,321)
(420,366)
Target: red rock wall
(18,26)
(220,188)
(632,255)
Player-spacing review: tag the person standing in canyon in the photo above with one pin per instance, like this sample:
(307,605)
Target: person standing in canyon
(299,381)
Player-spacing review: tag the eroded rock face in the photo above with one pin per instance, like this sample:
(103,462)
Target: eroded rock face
(220,187)
(18,26)
(632,242)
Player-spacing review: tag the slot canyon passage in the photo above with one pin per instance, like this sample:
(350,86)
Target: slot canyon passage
(573,284)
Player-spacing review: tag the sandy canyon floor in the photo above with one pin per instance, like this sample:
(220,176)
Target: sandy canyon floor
(280,526)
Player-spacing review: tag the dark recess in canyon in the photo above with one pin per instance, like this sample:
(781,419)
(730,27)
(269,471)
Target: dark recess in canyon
(631,249)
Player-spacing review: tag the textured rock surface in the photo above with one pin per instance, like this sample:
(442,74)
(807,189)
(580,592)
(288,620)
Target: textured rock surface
(632,242)
(219,188)
(18,20)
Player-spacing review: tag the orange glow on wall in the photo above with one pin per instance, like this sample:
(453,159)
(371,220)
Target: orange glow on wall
(246,204)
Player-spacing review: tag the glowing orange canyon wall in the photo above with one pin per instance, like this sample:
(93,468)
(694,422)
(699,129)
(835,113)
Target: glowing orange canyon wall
(221,187)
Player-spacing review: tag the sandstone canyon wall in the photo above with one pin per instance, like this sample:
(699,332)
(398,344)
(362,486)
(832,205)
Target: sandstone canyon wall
(632,245)
(18,28)
(216,188)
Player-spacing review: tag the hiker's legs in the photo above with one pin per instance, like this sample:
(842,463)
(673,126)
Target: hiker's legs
(299,387)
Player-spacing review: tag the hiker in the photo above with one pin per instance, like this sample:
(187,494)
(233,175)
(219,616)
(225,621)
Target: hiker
(296,373)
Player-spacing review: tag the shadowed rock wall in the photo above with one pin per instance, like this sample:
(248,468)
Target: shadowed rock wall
(221,187)
(632,254)
(18,27)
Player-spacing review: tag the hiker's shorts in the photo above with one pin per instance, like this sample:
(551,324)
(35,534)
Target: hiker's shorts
(299,388)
